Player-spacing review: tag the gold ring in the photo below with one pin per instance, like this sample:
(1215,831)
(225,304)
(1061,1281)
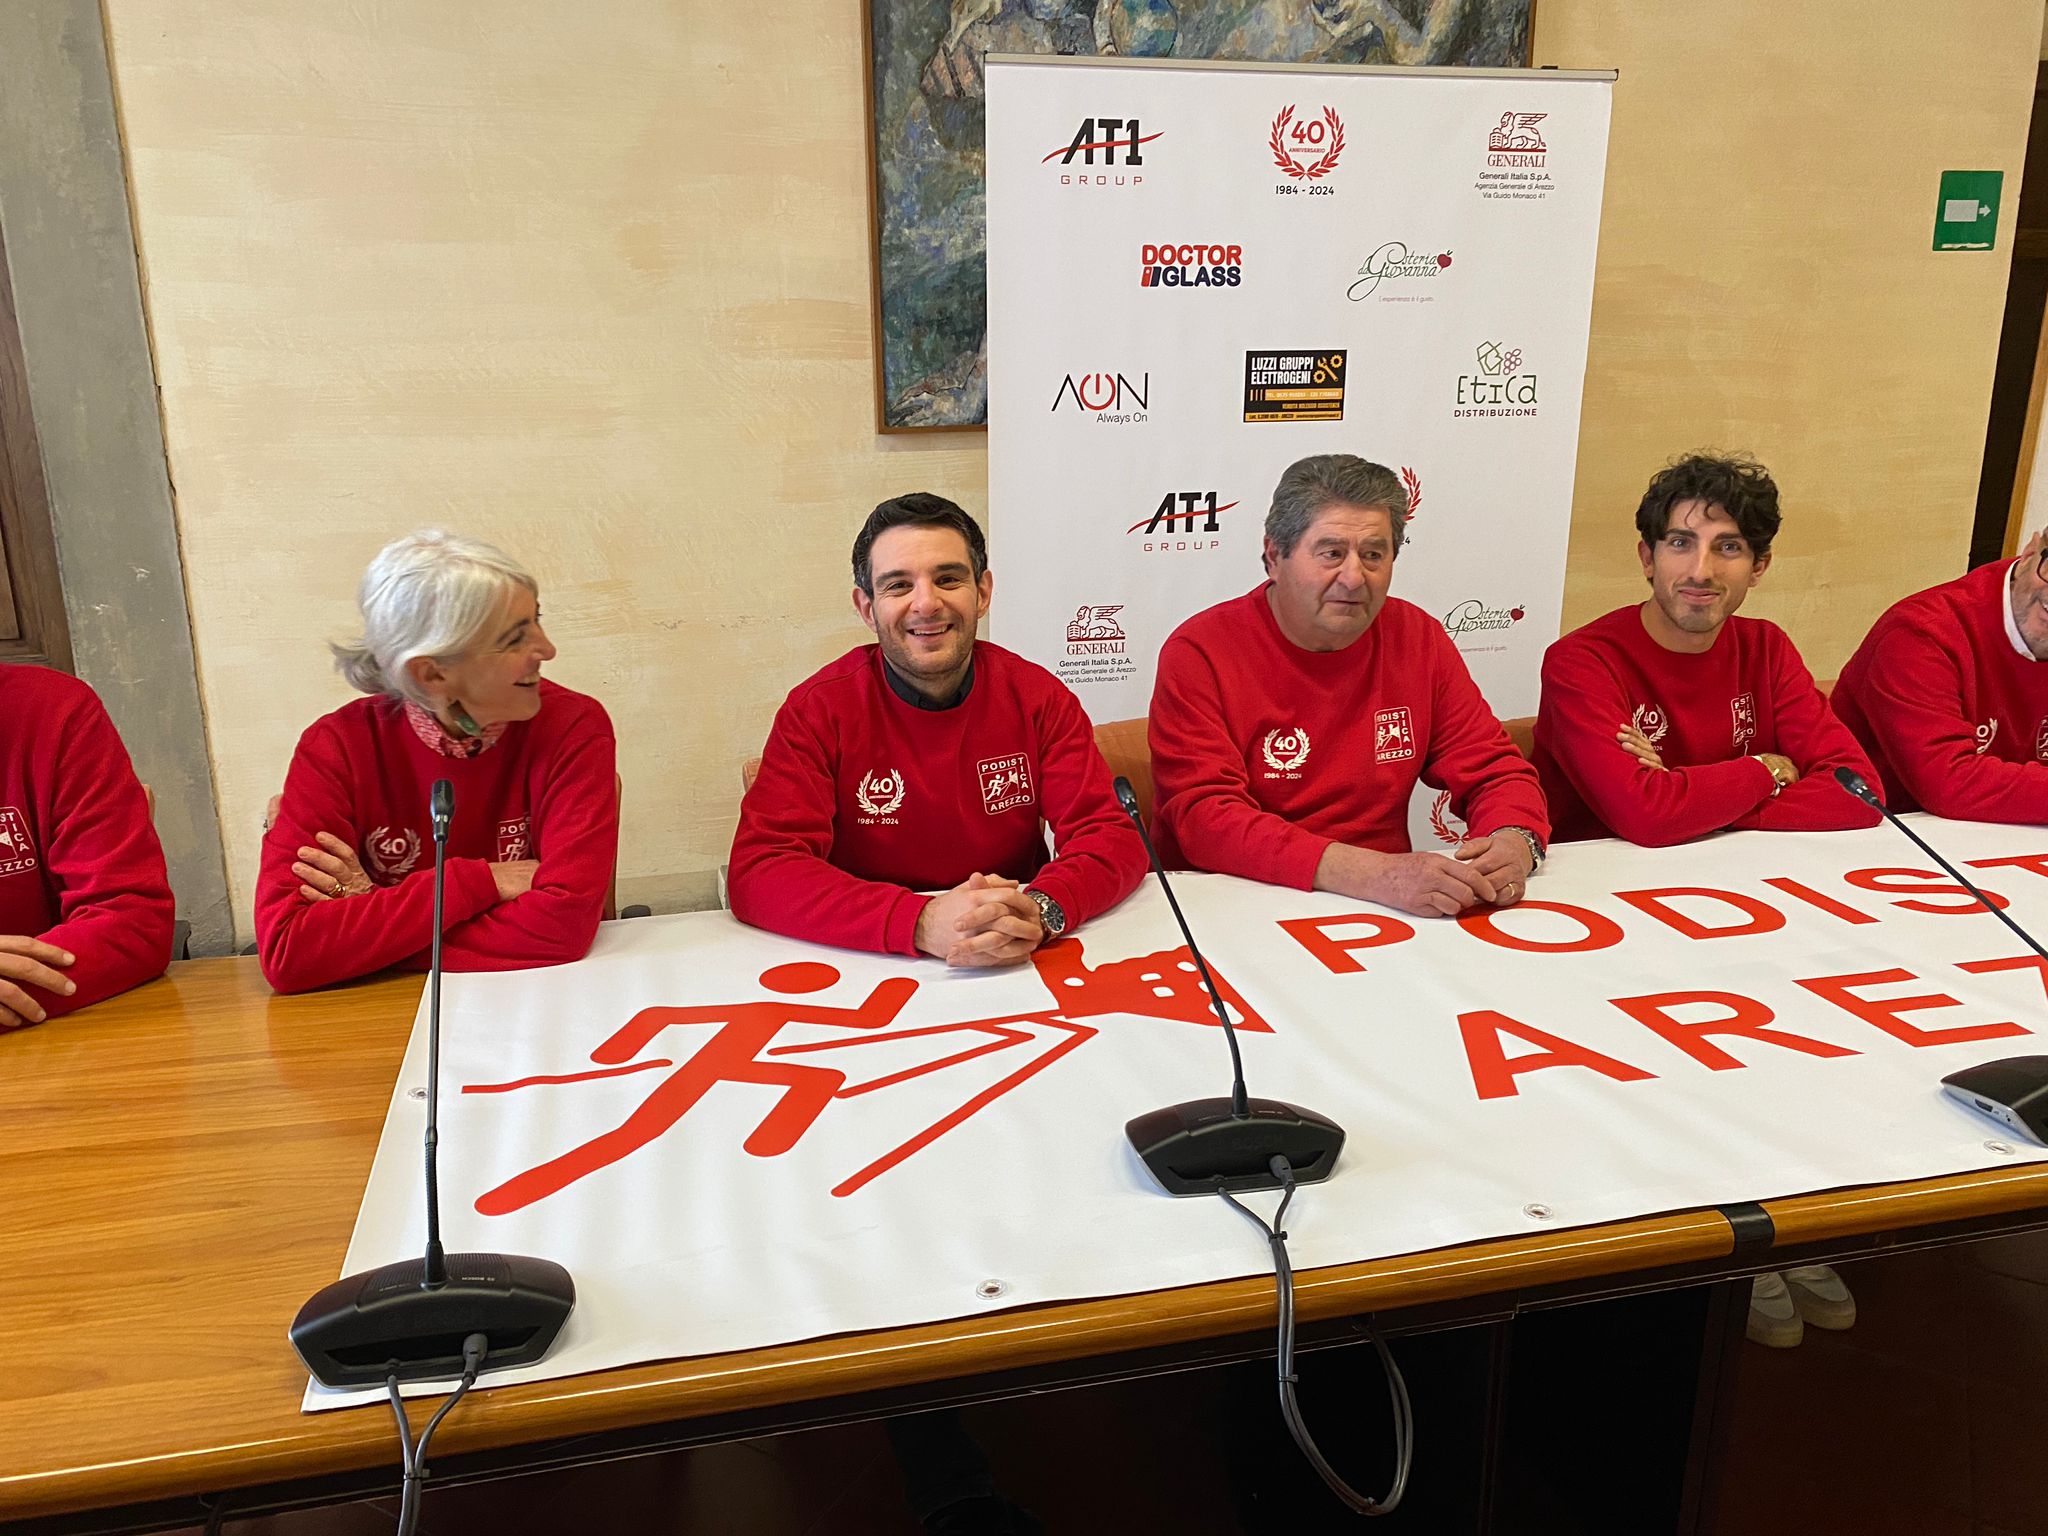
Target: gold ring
(337,889)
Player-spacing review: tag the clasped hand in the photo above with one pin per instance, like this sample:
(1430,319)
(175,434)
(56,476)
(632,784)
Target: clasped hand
(986,920)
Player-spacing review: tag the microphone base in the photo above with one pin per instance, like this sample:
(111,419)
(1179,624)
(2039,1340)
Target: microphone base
(1200,1147)
(386,1322)
(2012,1090)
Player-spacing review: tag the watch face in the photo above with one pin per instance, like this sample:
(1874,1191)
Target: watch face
(1055,919)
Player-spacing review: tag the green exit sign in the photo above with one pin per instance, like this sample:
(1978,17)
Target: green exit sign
(1966,213)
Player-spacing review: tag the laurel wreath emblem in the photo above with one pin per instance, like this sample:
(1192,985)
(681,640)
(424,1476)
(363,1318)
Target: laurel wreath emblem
(1286,162)
(880,794)
(1439,822)
(1414,483)
(1293,749)
(1649,719)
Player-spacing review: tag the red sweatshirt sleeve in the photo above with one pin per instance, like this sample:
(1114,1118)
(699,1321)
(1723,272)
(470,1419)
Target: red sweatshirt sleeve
(1583,706)
(103,857)
(1203,788)
(781,877)
(1492,785)
(303,945)
(1818,744)
(1912,699)
(576,829)
(1098,857)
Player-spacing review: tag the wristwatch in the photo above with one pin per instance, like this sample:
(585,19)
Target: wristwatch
(1049,912)
(1536,853)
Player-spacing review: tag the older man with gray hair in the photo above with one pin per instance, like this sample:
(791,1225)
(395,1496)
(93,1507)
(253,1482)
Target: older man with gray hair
(1289,726)
(450,654)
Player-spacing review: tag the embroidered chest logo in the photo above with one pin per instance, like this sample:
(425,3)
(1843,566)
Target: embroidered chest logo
(392,853)
(1743,708)
(1285,751)
(1005,782)
(1393,735)
(2041,741)
(17,853)
(1649,719)
(515,840)
(879,794)
(1986,734)
(1448,826)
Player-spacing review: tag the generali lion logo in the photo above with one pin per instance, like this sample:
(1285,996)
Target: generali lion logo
(1986,734)
(1649,719)
(1285,750)
(392,854)
(1449,828)
(880,794)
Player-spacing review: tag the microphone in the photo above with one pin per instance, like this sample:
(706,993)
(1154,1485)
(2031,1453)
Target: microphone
(2014,1089)
(1208,1145)
(409,1319)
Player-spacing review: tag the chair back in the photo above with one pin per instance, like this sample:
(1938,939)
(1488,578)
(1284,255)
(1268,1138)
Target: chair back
(1522,732)
(1128,752)
(750,770)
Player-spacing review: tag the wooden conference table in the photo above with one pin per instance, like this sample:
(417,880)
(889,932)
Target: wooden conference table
(182,1166)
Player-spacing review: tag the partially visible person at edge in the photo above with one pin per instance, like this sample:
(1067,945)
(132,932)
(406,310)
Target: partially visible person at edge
(85,904)
(450,656)
(1290,726)
(930,761)
(1672,718)
(1949,695)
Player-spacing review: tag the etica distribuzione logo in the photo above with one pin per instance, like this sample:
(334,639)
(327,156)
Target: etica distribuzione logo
(1195,265)
(1119,142)
(1499,386)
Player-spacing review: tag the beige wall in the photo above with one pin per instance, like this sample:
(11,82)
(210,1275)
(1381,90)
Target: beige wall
(592,281)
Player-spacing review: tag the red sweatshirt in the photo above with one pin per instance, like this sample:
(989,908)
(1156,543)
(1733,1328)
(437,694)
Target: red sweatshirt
(1708,714)
(1263,754)
(863,800)
(548,790)
(1954,717)
(80,866)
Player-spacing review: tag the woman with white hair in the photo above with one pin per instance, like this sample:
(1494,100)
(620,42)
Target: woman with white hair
(450,655)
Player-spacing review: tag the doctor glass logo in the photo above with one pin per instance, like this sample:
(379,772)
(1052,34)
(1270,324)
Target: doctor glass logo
(1119,142)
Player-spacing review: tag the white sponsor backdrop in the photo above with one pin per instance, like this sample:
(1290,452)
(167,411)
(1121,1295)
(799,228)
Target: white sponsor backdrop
(757,1215)
(1446,249)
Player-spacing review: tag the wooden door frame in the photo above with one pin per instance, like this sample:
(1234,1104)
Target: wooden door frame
(26,541)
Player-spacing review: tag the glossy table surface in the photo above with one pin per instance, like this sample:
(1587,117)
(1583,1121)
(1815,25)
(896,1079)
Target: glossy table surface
(182,1167)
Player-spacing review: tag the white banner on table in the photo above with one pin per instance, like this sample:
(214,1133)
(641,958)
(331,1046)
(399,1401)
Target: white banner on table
(1392,263)
(800,1141)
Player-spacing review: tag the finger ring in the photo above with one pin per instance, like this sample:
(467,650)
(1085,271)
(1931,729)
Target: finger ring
(337,889)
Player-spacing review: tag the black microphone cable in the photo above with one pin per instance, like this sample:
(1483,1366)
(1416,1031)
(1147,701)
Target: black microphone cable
(414,1457)
(1290,1408)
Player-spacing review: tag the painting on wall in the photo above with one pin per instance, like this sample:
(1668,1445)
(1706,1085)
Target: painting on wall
(925,149)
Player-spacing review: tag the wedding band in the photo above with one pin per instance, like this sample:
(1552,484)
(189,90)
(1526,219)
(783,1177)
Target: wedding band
(337,889)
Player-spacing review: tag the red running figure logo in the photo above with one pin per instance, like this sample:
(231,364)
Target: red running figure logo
(742,1050)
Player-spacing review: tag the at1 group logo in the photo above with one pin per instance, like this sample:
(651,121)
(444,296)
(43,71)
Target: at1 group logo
(1196,265)
(1113,399)
(1499,387)
(1396,274)
(1307,148)
(1473,619)
(1119,141)
(1183,521)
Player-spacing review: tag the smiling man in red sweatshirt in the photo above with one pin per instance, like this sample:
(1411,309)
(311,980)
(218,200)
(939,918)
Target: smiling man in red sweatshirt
(930,761)
(1949,694)
(1289,726)
(1673,718)
(85,905)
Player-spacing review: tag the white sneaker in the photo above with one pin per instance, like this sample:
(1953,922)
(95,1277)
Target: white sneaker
(1820,1297)
(1773,1320)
